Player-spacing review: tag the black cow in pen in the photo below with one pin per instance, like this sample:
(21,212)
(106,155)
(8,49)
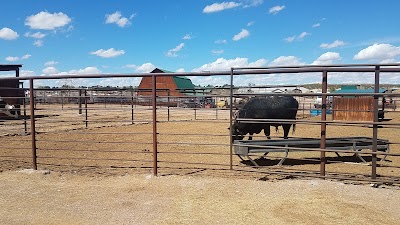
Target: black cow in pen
(271,107)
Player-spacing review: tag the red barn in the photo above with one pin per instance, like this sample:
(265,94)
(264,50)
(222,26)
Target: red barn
(175,84)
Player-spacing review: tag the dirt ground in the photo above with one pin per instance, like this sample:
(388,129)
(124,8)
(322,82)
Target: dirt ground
(102,174)
(40,197)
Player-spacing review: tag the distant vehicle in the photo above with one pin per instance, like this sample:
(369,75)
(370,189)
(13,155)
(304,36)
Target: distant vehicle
(318,102)
(189,103)
(199,102)
(222,104)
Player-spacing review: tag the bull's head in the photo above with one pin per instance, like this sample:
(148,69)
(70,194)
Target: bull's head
(236,134)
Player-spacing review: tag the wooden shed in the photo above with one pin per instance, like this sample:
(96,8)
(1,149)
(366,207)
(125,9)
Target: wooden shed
(175,85)
(356,108)
(10,90)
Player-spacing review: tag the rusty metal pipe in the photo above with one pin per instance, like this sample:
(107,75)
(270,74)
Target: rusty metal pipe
(33,128)
(323,124)
(154,103)
(375,125)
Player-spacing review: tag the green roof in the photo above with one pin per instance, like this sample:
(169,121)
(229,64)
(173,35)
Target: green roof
(183,83)
(360,91)
(180,81)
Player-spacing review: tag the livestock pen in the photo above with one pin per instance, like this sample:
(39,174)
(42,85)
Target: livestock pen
(156,138)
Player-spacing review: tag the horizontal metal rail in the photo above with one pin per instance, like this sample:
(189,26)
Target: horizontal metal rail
(98,142)
(93,159)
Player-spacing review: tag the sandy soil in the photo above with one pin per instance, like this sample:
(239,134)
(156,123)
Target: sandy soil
(101,174)
(58,198)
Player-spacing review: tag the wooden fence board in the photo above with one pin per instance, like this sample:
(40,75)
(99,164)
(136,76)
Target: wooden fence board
(353,109)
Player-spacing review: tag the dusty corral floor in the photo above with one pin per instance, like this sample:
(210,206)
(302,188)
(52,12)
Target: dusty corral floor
(29,197)
(101,174)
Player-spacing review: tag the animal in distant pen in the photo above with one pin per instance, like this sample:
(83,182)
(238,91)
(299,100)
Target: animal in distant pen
(271,107)
(6,109)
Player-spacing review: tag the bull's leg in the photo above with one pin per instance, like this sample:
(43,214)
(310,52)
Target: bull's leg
(286,129)
(250,136)
(267,131)
(276,129)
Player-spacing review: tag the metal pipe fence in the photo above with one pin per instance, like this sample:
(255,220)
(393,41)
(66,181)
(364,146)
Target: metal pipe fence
(157,137)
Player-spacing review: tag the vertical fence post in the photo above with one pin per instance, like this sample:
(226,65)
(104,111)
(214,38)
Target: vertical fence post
(86,110)
(230,122)
(323,123)
(80,101)
(132,106)
(154,104)
(33,127)
(168,92)
(105,101)
(62,100)
(375,125)
(25,124)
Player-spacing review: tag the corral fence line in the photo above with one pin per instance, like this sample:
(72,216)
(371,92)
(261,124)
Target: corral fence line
(154,102)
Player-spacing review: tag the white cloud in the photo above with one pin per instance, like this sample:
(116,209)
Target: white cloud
(47,21)
(180,70)
(290,39)
(37,35)
(145,68)
(187,37)
(87,70)
(131,66)
(109,53)
(50,63)
(327,58)
(8,34)
(50,70)
(118,19)
(217,52)
(258,63)
(276,9)
(297,37)
(286,61)
(16,58)
(242,34)
(38,43)
(12,58)
(316,25)
(378,52)
(252,3)
(251,23)
(334,44)
(26,73)
(303,35)
(386,61)
(222,64)
(174,52)
(216,7)
(221,41)
(227,64)
(27,56)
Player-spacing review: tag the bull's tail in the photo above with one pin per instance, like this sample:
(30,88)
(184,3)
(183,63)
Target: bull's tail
(294,128)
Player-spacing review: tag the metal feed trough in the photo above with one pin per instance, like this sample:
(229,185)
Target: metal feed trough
(342,144)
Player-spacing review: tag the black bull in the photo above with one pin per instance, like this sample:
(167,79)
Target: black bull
(272,107)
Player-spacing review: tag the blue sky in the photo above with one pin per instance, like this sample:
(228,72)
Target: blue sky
(82,37)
